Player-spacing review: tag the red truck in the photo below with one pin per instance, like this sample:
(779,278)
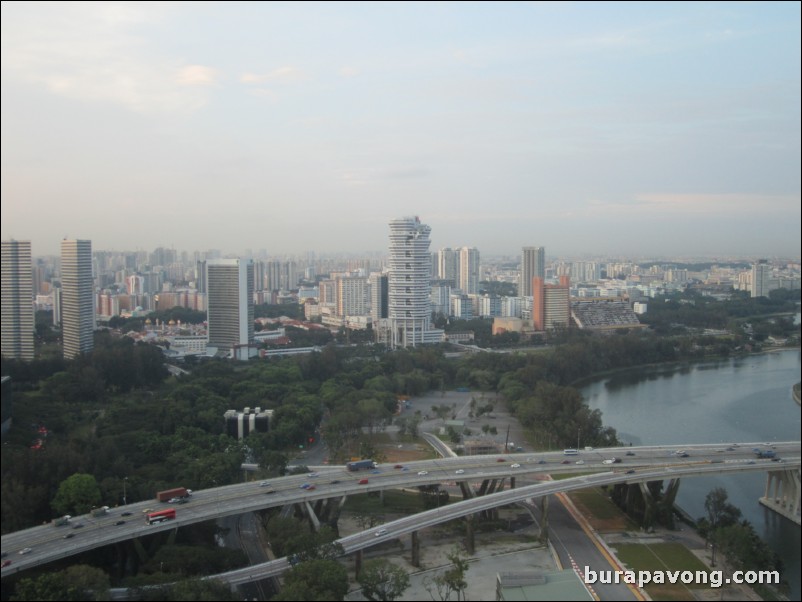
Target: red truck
(170,494)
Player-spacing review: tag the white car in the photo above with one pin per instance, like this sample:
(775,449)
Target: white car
(515,466)
(423,473)
(460,471)
(580,461)
(25,551)
(380,532)
(608,462)
(264,484)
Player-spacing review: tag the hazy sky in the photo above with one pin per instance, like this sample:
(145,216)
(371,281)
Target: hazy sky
(632,128)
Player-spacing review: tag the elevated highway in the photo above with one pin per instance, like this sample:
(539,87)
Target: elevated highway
(49,543)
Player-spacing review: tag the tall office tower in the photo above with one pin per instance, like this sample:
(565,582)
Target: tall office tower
(551,304)
(469,270)
(229,300)
(17,300)
(351,299)
(258,275)
(761,272)
(409,311)
(273,276)
(533,265)
(77,298)
(200,275)
(378,297)
(448,265)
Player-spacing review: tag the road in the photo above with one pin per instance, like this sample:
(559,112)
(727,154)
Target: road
(656,462)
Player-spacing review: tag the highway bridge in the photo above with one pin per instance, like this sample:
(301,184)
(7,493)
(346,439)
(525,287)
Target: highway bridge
(638,464)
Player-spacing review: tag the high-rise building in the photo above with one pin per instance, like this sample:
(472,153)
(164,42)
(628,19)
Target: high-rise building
(761,272)
(551,304)
(77,298)
(409,263)
(533,265)
(448,265)
(17,300)
(351,299)
(378,297)
(469,270)
(229,284)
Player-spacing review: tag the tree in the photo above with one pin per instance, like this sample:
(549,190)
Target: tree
(315,580)
(720,514)
(382,580)
(77,495)
(79,582)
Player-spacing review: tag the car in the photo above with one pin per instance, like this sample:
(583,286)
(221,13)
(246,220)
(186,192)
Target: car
(271,492)
(607,462)
(335,481)
(310,488)
(25,551)
(375,471)
(501,459)
(679,452)
(751,462)
(6,563)
(683,455)
(579,462)
(398,466)
(174,500)
(541,461)
(305,486)
(363,481)
(313,474)
(380,532)
(630,472)
(78,526)
(120,522)
(182,500)
(264,484)
(405,469)
(459,471)
(630,453)
(565,462)
(69,536)
(147,510)
(516,465)
(423,473)
(126,514)
(730,449)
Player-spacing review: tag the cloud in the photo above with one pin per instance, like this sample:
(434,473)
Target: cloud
(282,74)
(90,52)
(696,205)
(349,71)
(196,75)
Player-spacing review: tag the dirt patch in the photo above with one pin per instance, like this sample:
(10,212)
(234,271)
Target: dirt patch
(394,455)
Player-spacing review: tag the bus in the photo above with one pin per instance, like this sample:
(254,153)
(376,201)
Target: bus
(159,517)
(570,452)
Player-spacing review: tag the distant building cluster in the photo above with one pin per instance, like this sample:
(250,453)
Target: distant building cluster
(250,420)
(397,296)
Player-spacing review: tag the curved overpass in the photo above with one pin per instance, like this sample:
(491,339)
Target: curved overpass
(48,543)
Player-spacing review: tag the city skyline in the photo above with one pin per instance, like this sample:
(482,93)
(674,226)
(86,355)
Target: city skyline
(593,128)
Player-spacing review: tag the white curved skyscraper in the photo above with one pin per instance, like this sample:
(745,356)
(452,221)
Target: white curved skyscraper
(409,292)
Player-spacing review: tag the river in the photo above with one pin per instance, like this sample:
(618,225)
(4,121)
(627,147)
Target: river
(735,400)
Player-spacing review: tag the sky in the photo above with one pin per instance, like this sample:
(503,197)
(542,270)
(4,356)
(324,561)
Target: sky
(634,129)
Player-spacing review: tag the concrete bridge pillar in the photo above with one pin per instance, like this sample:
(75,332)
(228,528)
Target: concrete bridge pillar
(357,563)
(783,493)
(544,519)
(470,542)
(415,550)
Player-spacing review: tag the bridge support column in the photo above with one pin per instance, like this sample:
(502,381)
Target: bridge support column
(467,491)
(649,506)
(470,541)
(785,498)
(415,550)
(544,519)
(357,563)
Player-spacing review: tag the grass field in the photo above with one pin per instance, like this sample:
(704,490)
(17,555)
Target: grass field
(662,557)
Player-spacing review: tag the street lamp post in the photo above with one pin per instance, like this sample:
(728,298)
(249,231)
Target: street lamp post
(125,499)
